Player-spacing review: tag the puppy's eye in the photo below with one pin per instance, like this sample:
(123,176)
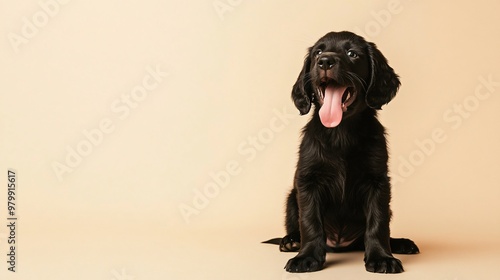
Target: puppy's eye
(352,54)
(318,52)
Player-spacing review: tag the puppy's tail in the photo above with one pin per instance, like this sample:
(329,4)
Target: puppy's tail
(275,241)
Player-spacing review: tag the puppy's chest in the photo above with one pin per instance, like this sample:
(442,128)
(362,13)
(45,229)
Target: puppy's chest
(340,143)
(346,152)
(346,168)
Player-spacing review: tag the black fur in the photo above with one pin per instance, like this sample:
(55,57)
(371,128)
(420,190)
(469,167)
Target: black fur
(341,194)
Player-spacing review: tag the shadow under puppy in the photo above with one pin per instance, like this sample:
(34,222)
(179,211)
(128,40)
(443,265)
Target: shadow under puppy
(341,193)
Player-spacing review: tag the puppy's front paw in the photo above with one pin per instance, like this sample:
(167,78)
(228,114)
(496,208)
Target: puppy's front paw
(304,264)
(384,265)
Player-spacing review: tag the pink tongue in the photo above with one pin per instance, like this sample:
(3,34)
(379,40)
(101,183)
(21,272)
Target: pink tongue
(331,111)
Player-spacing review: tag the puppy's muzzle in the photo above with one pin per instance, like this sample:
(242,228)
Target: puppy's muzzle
(327,60)
(326,63)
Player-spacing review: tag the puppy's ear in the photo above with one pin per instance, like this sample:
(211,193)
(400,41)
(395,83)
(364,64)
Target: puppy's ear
(384,82)
(302,91)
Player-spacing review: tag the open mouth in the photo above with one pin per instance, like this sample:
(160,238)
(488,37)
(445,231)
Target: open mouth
(348,95)
(334,99)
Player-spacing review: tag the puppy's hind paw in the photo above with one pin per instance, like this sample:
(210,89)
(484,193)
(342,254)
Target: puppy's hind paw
(290,243)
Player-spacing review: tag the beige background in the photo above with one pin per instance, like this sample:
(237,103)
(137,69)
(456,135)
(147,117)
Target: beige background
(69,67)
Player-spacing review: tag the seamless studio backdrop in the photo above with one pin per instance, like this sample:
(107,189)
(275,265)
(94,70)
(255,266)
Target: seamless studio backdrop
(158,140)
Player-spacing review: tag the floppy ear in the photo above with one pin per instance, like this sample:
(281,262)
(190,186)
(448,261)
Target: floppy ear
(302,92)
(384,82)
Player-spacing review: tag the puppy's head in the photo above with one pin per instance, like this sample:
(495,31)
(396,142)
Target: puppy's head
(342,75)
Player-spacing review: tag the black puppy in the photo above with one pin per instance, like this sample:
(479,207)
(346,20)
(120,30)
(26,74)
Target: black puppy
(341,193)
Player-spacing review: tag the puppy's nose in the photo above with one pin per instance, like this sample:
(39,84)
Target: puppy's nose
(326,62)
